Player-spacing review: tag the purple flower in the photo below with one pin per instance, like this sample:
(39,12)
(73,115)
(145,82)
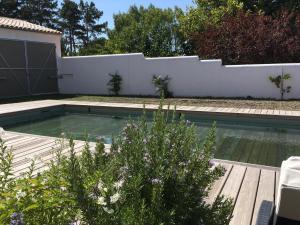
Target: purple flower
(17,219)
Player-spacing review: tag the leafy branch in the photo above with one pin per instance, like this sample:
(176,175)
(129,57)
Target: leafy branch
(279,82)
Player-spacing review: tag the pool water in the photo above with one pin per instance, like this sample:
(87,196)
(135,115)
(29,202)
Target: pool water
(245,140)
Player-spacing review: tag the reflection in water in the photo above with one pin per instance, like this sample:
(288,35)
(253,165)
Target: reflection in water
(244,141)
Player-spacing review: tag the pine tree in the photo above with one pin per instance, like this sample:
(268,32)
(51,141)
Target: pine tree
(42,12)
(70,23)
(91,27)
(9,8)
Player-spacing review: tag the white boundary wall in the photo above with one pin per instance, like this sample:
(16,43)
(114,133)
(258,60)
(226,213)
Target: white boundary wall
(189,76)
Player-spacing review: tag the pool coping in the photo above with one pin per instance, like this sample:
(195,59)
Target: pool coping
(217,111)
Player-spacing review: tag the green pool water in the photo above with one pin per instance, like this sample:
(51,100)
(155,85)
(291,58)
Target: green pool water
(245,140)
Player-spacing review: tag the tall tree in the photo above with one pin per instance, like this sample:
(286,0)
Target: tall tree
(252,38)
(271,7)
(42,12)
(90,17)
(70,23)
(205,13)
(9,8)
(153,31)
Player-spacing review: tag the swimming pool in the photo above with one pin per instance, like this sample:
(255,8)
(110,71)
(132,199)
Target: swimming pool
(252,140)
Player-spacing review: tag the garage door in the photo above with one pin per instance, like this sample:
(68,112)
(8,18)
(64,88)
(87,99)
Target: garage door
(27,68)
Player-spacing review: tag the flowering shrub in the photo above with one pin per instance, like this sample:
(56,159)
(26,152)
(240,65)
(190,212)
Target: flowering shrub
(155,173)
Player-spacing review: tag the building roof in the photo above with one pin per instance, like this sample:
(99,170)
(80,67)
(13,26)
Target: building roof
(17,24)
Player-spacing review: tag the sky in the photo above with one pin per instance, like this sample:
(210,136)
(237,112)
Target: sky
(110,7)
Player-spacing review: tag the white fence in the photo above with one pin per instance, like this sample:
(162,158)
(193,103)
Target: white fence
(189,76)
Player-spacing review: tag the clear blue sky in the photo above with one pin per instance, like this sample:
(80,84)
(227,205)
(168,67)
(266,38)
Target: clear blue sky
(109,7)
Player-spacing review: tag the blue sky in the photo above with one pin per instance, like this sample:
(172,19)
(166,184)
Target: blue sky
(109,7)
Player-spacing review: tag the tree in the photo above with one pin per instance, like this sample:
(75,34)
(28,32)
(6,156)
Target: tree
(93,47)
(271,7)
(70,24)
(153,31)
(90,17)
(42,12)
(252,38)
(206,13)
(9,8)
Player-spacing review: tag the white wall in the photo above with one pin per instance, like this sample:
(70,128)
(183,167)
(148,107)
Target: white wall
(32,36)
(189,76)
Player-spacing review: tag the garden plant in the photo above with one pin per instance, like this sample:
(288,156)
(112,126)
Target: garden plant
(158,173)
(162,85)
(115,83)
(279,82)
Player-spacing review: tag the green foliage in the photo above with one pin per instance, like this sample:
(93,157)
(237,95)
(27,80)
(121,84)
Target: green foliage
(80,26)
(33,199)
(279,82)
(152,31)
(271,7)
(70,23)
(40,12)
(9,8)
(157,173)
(206,13)
(115,83)
(162,85)
(91,27)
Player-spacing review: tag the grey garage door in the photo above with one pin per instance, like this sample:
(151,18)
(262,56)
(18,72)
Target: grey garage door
(27,68)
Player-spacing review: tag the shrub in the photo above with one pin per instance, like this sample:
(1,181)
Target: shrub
(115,83)
(248,38)
(155,173)
(39,199)
(279,82)
(162,85)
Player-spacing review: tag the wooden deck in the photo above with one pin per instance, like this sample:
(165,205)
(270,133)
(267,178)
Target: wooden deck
(41,149)
(25,106)
(251,187)
(248,185)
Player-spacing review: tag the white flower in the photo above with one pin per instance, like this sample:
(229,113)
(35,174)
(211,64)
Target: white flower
(101,201)
(115,198)
(109,211)
(156,181)
(119,184)
(93,196)
(100,185)
(20,194)
(105,189)
(63,188)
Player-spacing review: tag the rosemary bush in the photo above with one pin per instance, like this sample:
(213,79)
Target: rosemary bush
(157,173)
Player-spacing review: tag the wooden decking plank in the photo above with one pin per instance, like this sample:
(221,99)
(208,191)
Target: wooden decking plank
(18,152)
(234,182)
(24,143)
(265,192)
(218,185)
(46,157)
(277,176)
(28,143)
(243,209)
(33,153)
(8,135)
(43,165)
(16,140)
